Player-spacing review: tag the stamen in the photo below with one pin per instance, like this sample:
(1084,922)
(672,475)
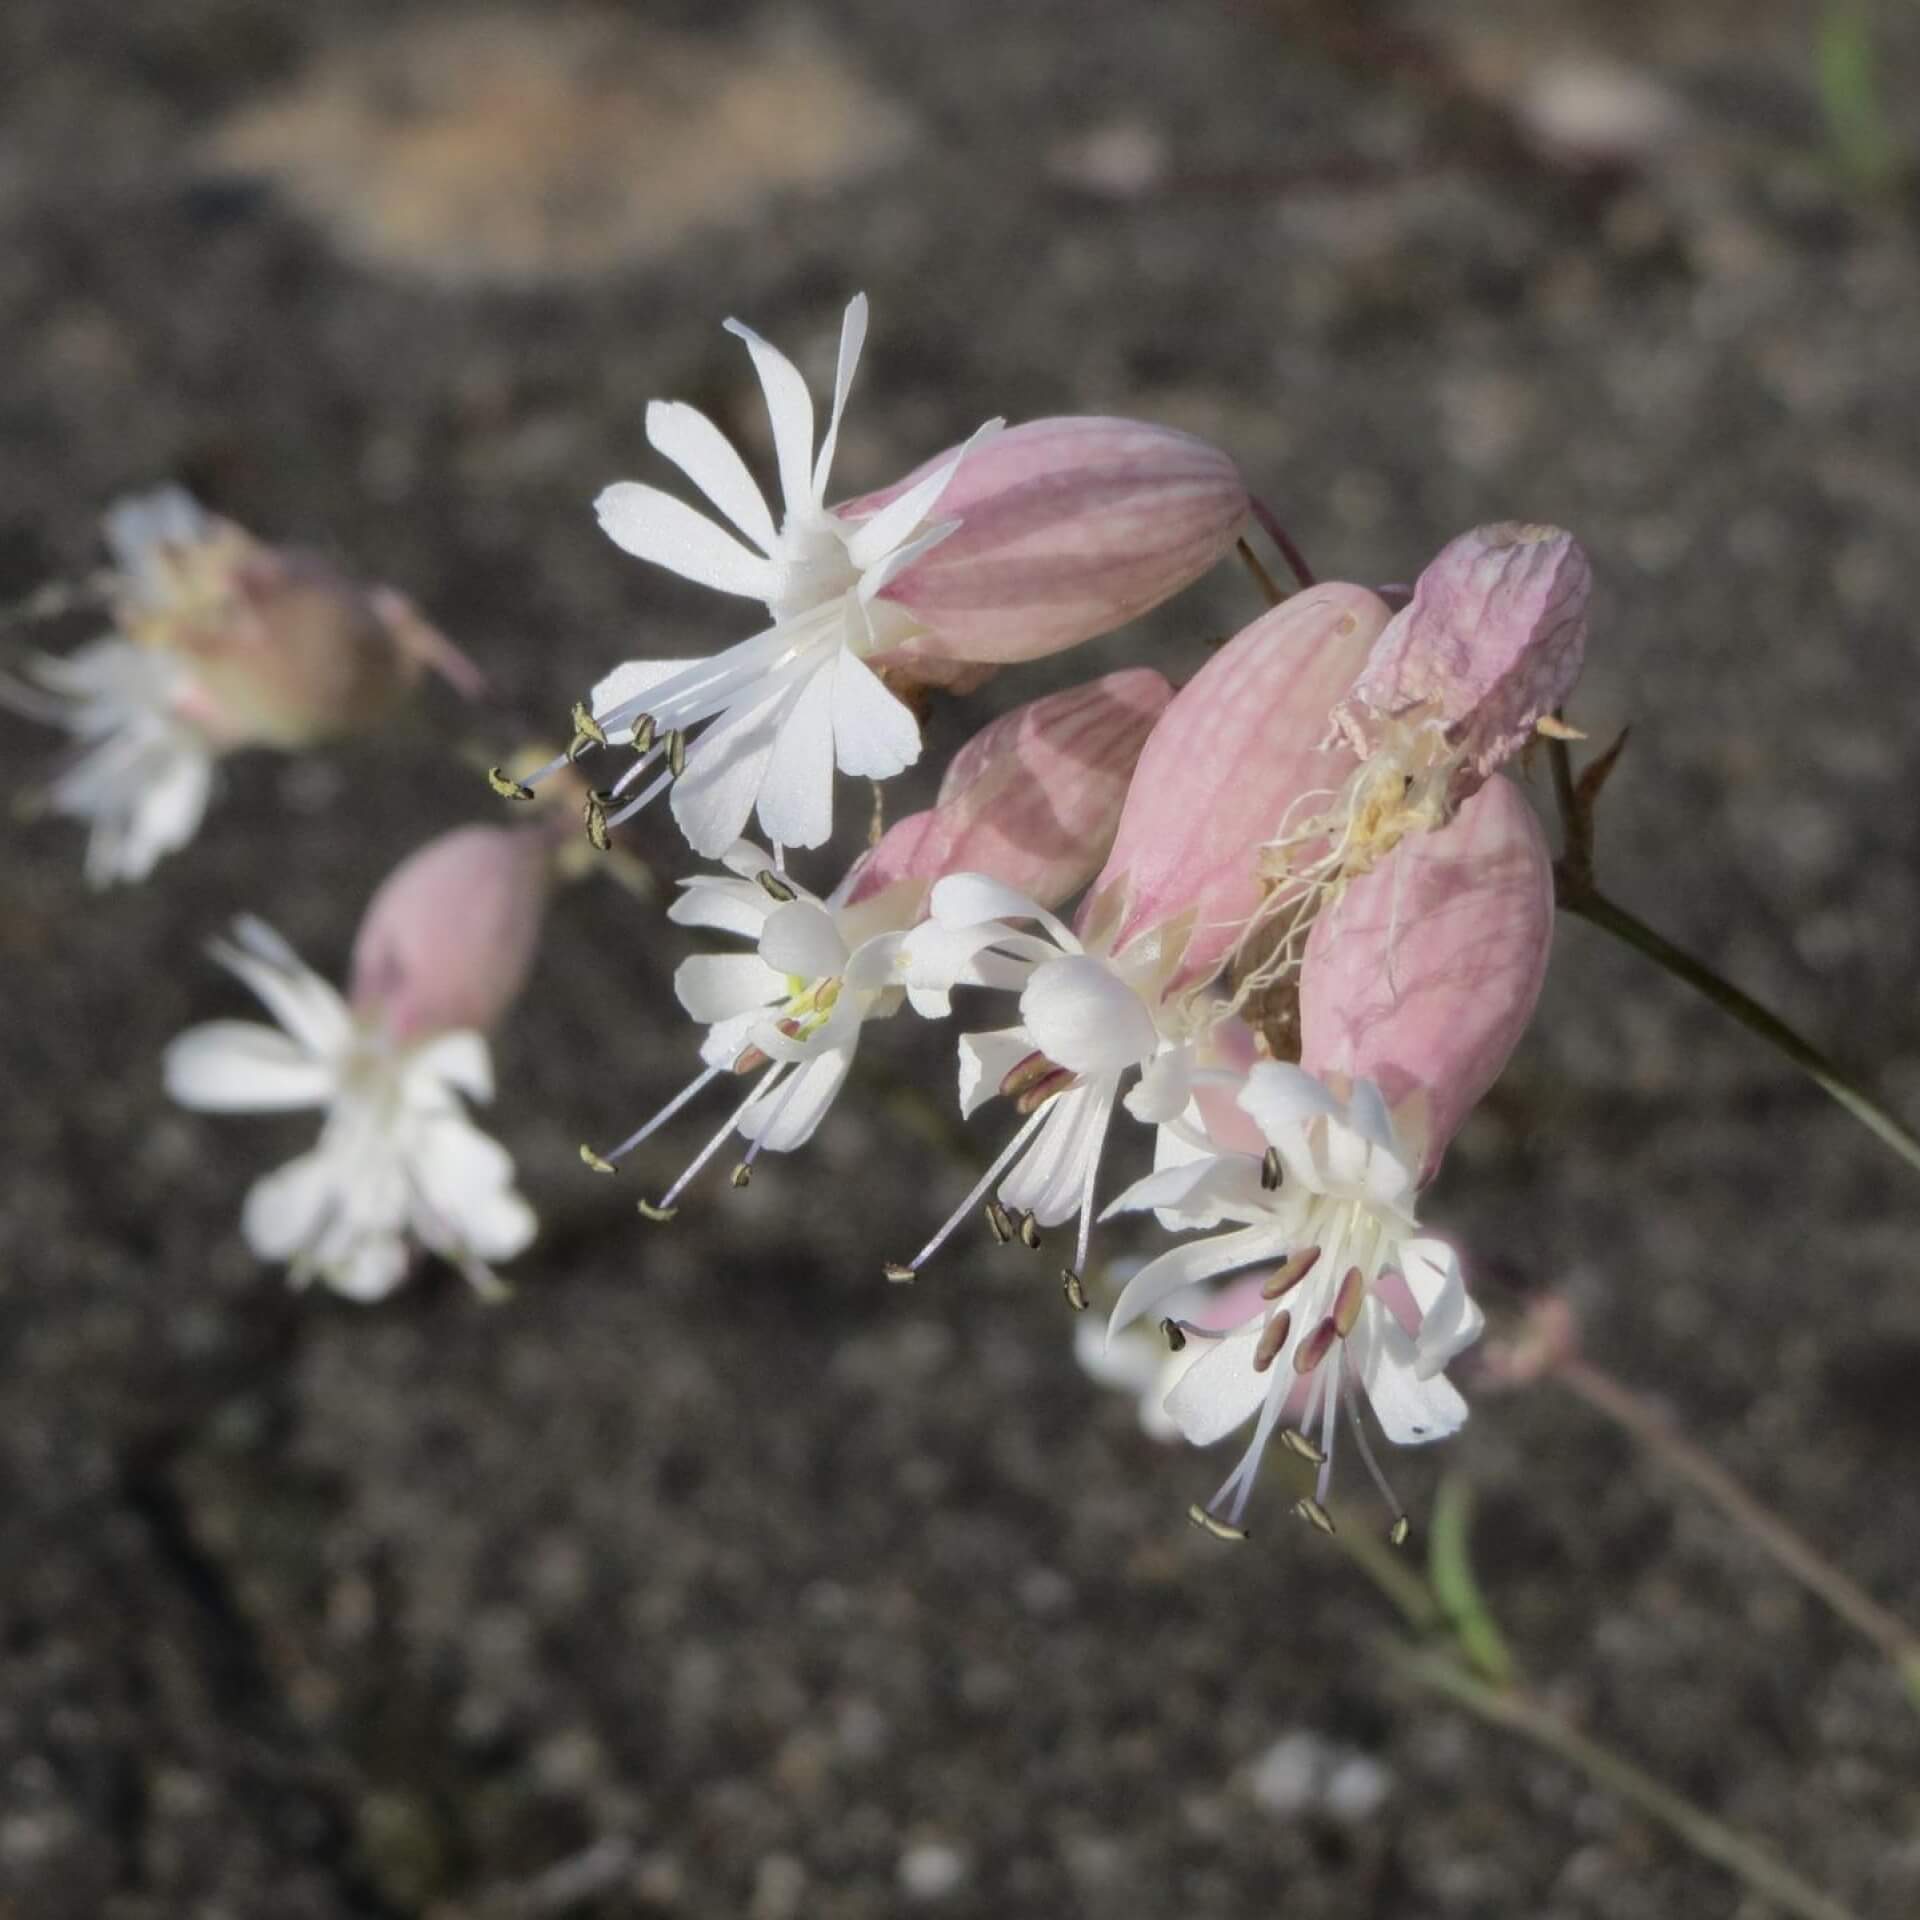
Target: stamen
(1402,1526)
(1398,1532)
(659,1215)
(1209,1523)
(1074,1288)
(1029,1230)
(982,1188)
(643,734)
(1348,1302)
(504,784)
(677,752)
(646,799)
(1314,1514)
(1315,1347)
(999,1222)
(596,1162)
(1298,1444)
(1272,1338)
(1270,1169)
(658,1121)
(594,812)
(1176,1336)
(1028,1071)
(742,1175)
(899,1274)
(584,723)
(774,887)
(1037,1095)
(719,1140)
(1289,1275)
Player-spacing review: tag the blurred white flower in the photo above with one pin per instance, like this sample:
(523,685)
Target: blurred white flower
(398,1164)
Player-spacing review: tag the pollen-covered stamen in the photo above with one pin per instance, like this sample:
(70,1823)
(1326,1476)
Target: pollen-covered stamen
(999,1222)
(1209,1522)
(1074,1288)
(1298,1444)
(1288,1275)
(985,1185)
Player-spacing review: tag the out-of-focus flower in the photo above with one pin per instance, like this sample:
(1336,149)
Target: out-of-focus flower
(398,1163)
(1489,645)
(798,700)
(449,937)
(1416,986)
(221,642)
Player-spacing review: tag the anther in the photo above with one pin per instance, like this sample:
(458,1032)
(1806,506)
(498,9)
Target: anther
(751,1060)
(1554,728)
(1297,1442)
(1028,1071)
(1314,1514)
(1348,1302)
(504,784)
(1289,1274)
(999,1222)
(1074,1288)
(596,1163)
(1270,1169)
(1273,1336)
(1397,1533)
(774,887)
(1029,1229)
(594,812)
(1175,1337)
(586,726)
(676,753)
(643,734)
(900,1275)
(1207,1523)
(1041,1091)
(658,1215)
(742,1175)
(1315,1347)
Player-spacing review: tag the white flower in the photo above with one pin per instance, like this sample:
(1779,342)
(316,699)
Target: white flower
(398,1161)
(787,707)
(791,1012)
(1087,1019)
(143,769)
(1358,1299)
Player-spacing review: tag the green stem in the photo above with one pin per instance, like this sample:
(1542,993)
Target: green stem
(1636,1416)
(1588,903)
(1516,1711)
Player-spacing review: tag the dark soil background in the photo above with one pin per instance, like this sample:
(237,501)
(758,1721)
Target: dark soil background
(713,1576)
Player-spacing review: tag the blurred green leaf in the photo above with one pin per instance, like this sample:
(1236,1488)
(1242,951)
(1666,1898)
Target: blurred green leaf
(1450,1571)
(1846,67)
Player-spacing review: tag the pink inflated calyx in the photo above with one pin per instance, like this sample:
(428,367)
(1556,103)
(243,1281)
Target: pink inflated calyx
(1033,799)
(449,937)
(1422,976)
(1064,529)
(1490,644)
(1238,749)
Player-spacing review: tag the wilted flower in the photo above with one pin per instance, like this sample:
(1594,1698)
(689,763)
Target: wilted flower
(222,642)
(1415,988)
(398,1163)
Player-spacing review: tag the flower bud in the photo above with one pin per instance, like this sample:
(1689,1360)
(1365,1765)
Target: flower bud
(448,938)
(1422,976)
(1489,645)
(1031,800)
(1067,528)
(1241,744)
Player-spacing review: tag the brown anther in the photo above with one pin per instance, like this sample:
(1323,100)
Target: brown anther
(1037,1095)
(1315,1347)
(676,753)
(1285,1277)
(1270,1169)
(900,1275)
(1297,1442)
(1029,1231)
(999,1222)
(1074,1288)
(1176,1335)
(1397,1533)
(1348,1302)
(1201,1518)
(742,1175)
(504,784)
(658,1215)
(595,1162)
(1314,1514)
(774,887)
(1025,1072)
(1273,1336)
(643,734)
(751,1060)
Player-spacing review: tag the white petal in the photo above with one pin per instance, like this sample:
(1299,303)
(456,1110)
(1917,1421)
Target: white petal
(790,410)
(238,1066)
(371,1270)
(707,457)
(1220,1391)
(461,1060)
(726,1040)
(881,534)
(727,906)
(713,799)
(853,335)
(717,986)
(1411,1410)
(1082,1014)
(655,527)
(801,938)
(1051,1176)
(1188,1265)
(496,1225)
(985,1061)
(631,681)
(1197,1193)
(454,1162)
(875,734)
(968,899)
(786,1117)
(1449,1320)
(296,996)
(1165,1087)
(285,1209)
(168,812)
(1281,1098)
(795,804)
